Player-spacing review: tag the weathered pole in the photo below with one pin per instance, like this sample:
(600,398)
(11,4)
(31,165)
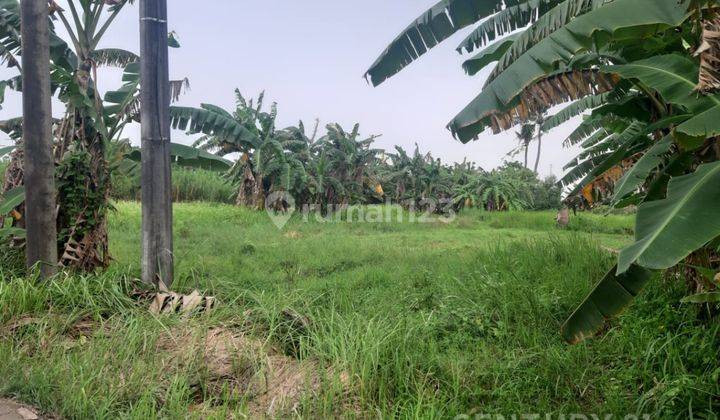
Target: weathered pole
(39,165)
(157,239)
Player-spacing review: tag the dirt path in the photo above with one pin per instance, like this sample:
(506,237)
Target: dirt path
(10,410)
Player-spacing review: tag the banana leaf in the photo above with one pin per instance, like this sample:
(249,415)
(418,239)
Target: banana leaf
(618,20)
(607,300)
(12,231)
(7,150)
(669,230)
(190,157)
(434,26)
(637,175)
(578,107)
(12,199)
(490,54)
(505,21)
(673,76)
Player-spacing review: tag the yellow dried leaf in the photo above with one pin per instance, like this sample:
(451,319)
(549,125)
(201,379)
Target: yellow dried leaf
(587,192)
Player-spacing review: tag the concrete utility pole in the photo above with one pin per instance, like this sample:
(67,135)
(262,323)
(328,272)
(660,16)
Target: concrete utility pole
(157,238)
(39,165)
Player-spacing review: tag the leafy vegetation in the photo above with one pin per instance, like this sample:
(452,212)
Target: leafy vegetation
(423,318)
(89,145)
(646,71)
(83,134)
(342,168)
(407,317)
(189,184)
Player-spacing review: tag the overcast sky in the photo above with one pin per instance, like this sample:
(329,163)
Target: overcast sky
(309,57)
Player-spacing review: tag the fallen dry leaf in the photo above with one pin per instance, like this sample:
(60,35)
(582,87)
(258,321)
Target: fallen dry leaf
(170,303)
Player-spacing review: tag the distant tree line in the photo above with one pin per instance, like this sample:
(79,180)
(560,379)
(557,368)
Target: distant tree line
(340,167)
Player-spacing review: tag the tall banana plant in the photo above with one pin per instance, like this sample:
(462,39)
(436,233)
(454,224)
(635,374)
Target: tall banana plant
(335,169)
(644,74)
(270,159)
(350,161)
(421,182)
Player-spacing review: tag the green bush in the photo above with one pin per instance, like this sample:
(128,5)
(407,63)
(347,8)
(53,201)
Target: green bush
(539,194)
(547,195)
(188,185)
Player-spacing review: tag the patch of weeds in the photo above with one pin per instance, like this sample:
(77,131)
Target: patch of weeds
(333,268)
(248,249)
(12,261)
(291,270)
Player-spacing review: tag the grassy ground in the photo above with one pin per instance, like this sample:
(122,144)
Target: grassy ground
(404,319)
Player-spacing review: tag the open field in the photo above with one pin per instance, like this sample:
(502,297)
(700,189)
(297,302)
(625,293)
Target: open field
(390,319)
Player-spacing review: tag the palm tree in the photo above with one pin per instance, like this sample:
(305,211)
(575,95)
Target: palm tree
(525,136)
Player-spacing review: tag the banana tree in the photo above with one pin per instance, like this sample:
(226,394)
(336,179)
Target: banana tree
(500,193)
(350,161)
(647,72)
(270,159)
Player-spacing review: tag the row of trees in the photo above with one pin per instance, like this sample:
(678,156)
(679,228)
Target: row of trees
(645,75)
(342,167)
(88,147)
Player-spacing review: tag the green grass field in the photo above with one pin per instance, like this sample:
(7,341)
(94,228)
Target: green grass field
(395,319)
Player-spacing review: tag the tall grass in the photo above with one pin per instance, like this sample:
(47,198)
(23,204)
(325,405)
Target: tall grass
(614,224)
(427,320)
(188,185)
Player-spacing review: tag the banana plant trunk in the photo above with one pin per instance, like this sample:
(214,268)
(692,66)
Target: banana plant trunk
(259,192)
(39,166)
(247,184)
(157,234)
(251,193)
